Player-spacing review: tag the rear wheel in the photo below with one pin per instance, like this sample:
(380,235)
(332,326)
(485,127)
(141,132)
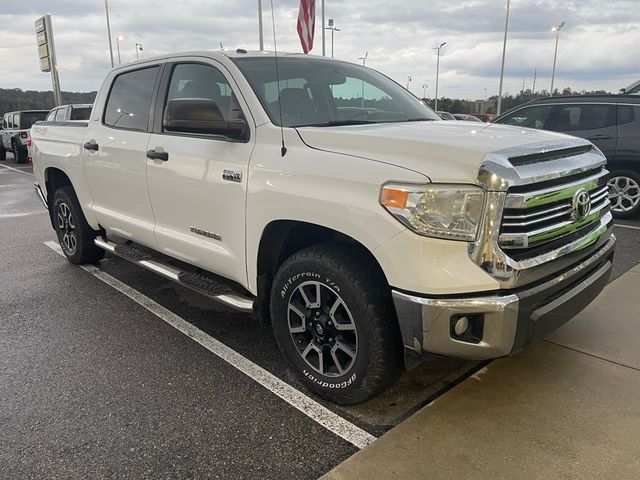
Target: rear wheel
(334,321)
(624,193)
(19,153)
(74,233)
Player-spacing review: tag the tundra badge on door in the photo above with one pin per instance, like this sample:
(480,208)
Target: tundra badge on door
(232,175)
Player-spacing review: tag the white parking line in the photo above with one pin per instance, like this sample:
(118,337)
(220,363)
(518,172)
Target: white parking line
(305,404)
(632,227)
(16,170)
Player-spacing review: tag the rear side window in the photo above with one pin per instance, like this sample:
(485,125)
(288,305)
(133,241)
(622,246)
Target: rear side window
(80,113)
(52,115)
(130,99)
(585,117)
(29,118)
(530,117)
(60,115)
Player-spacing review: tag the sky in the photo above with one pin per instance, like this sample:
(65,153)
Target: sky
(598,47)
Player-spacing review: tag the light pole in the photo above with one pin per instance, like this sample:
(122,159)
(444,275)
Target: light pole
(106,10)
(323,42)
(438,72)
(408,81)
(504,52)
(555,55)
(364,64)
(260,32)
(118,38)
(333,29)
(424,90)
(138,49)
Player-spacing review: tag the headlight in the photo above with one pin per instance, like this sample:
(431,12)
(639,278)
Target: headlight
(443,211)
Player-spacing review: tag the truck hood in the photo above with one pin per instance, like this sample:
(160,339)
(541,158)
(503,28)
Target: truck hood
(444,151)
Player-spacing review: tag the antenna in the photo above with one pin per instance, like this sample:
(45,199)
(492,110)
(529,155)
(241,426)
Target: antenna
(283,150)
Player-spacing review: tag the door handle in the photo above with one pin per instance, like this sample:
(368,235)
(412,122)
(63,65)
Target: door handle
(154,155)
(91,145)
(599,137)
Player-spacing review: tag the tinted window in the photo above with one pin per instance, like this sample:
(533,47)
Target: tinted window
(585,117)
(80,113)
(625,114)
(29,118)
(317,91)
(130,99)
(52,115)
(192,80)
(530,117)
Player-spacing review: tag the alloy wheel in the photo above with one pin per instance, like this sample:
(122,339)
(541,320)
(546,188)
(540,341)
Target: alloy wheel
(67,228)
(322,329)
(624,194)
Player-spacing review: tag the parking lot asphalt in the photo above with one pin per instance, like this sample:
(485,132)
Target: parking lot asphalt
(92,384)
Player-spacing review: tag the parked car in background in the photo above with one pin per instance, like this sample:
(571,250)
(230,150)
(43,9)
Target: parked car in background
(611,122)
(484,117)
(466,118)
(70,113)
(445,115)
(15,132)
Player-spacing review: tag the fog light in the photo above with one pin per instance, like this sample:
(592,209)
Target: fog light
(461,326)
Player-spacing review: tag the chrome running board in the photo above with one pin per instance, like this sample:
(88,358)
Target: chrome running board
(202,283)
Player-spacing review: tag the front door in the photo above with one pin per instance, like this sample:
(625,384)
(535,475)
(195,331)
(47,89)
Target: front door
(115,160)
(198,189)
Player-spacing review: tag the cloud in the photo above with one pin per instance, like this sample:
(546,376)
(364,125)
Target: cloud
(598,45)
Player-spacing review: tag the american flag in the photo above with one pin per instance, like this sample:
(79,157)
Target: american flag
(307,24)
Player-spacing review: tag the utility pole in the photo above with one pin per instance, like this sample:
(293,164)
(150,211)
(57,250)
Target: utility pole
(323,42)
(106,9)
(424,90)
(535,74)
(118,38)
(555,54)
(504,53)
(408,81)
(260,31)
(438,72)
(333,29)
(138,49)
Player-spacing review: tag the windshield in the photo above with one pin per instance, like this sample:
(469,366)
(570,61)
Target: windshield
(322,92)
(29,118)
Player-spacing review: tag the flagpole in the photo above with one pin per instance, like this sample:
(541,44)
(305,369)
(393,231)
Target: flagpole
(323,43)
(260,25)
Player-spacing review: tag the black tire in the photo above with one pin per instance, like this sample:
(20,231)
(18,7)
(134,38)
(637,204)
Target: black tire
(624,193)
(3,152)
(19,153)
(343,272)
(74,233)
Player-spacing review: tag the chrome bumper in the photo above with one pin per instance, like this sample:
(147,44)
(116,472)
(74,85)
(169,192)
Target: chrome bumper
(38,190)
(508,321)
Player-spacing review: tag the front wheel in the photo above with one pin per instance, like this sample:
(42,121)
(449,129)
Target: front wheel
(624,193)
(74,233)
(333,319)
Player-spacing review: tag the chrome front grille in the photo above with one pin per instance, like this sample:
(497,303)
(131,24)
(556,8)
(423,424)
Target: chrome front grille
(534,217)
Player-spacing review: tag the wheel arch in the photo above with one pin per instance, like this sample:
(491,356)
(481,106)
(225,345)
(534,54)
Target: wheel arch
(54,178)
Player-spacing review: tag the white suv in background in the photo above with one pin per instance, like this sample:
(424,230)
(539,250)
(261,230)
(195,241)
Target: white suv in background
(15,132)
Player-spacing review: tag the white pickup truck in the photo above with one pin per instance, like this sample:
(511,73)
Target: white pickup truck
(330,202)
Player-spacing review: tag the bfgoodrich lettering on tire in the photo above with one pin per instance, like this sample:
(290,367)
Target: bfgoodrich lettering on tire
(333,320)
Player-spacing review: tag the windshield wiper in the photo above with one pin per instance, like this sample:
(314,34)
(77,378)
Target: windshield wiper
(420,119)
(336,123)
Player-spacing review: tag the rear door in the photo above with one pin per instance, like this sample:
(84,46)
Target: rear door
(198,192)
(594,121)
(115,163)
(628,149)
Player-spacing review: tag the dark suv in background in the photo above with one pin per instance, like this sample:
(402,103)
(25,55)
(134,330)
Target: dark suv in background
(611,122)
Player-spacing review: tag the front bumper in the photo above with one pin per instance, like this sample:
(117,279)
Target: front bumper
(504,322)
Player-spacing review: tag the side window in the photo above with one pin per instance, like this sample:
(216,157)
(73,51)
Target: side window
(585,117)
(52,115)
(530,117)
(60,115)
(130,99)
(625,114)
(194,80)
(16,120)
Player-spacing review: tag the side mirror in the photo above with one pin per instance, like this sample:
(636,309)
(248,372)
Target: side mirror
(200,116)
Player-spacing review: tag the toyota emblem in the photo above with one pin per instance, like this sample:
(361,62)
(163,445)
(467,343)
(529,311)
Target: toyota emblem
(581,205)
